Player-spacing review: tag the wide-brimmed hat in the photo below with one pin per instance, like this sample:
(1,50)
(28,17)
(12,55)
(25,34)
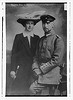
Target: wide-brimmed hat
(47,18)
(35,17)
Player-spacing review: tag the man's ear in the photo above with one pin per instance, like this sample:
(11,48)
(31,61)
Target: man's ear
(52,24)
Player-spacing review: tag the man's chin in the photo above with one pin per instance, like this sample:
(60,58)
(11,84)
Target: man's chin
(46,29)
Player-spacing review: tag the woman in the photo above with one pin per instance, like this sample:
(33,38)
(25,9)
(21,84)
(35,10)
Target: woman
(23,51)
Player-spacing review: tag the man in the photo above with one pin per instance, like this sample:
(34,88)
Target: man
(49,56)
(23,51)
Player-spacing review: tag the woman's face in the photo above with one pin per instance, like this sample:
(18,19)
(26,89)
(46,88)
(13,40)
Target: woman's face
(29,26)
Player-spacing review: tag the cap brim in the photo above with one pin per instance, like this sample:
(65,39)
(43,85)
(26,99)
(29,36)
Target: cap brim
(49,18)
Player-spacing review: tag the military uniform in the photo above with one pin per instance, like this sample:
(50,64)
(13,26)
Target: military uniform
(47,62)
(51,51)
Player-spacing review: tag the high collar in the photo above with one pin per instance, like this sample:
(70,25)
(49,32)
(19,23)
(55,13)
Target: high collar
(28,34)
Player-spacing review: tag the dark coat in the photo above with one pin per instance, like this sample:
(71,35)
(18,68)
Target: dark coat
(50,51)
(22,56)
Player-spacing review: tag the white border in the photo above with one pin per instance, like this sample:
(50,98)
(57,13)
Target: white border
(4,51)
(0,48)
(69,61)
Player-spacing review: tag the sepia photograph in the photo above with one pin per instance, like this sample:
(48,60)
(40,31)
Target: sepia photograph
(36,49)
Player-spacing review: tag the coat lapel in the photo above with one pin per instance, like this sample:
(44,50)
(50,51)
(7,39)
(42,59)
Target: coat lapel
(26,43)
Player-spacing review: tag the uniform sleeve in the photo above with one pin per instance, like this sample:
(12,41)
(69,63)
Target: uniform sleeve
(14,54)
(57,56)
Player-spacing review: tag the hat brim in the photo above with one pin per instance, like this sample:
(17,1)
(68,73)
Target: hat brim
(23,21)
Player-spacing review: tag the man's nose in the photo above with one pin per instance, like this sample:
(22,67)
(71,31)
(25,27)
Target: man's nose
(30,25)
(46,25)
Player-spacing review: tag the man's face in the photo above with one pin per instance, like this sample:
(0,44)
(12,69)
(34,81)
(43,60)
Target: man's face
(29,26)
(47,26)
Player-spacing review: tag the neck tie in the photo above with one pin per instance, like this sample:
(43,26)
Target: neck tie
(29,40)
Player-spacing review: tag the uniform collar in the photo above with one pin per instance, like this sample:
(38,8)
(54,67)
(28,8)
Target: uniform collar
(50,33)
